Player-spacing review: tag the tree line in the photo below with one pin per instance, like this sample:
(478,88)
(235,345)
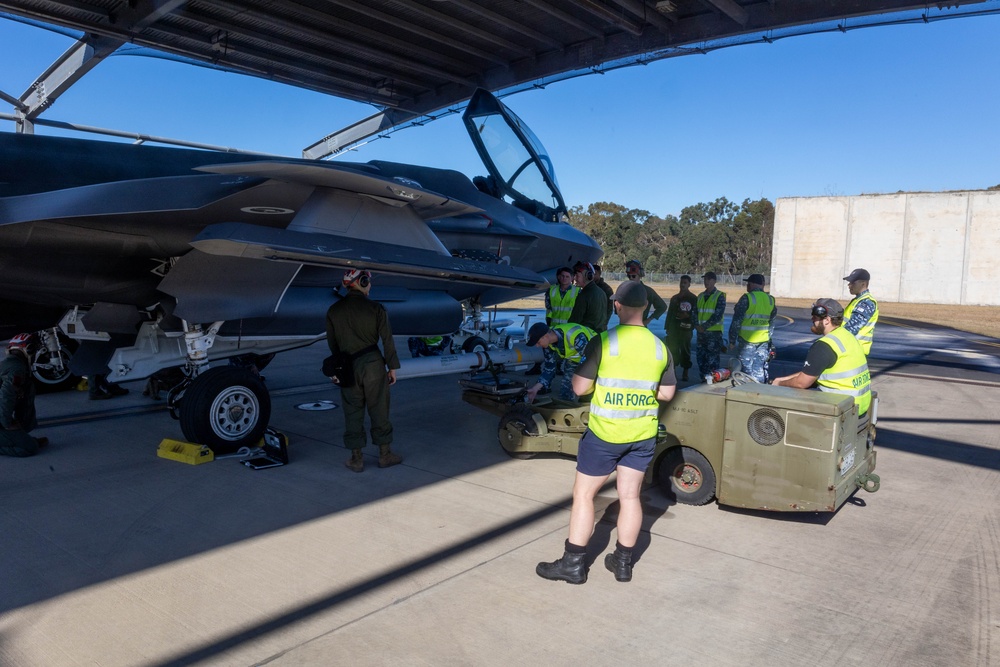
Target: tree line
(718,236)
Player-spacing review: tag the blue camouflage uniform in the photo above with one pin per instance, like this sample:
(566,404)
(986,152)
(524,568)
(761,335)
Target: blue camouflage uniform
(709,345)
(553,355)
(754,356)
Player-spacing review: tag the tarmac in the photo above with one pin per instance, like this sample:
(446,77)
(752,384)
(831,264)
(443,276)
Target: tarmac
(113,556)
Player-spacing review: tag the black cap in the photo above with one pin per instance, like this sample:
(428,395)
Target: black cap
(710,274)
(832,307)
(537,330)
(858,274)
(631,294)
(756,278)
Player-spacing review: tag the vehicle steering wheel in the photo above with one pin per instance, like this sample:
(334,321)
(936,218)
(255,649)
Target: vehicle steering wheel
(739,377)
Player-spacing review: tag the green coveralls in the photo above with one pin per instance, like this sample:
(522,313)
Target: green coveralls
(352,324)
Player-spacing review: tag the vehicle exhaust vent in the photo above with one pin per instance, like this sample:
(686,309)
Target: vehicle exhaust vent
(766,427)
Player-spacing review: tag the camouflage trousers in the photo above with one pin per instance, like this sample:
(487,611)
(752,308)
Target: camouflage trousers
(566,388)
(17,443)
(708,350)
(754,359)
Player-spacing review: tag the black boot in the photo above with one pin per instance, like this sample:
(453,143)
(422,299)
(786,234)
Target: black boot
(571,568)
(620,563)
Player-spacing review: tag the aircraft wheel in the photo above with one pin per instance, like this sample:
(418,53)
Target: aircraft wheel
(225,408)
(474,344)
(687,477)
(51,369)
(515,425)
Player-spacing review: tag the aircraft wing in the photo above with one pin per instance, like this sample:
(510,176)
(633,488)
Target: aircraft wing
(391,191)
(345,252)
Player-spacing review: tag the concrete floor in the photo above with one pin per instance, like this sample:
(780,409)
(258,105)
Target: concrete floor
(113,556)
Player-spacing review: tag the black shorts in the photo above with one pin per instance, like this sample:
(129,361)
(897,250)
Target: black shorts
(598,458)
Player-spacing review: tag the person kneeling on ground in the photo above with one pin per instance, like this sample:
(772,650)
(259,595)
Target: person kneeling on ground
(17,399)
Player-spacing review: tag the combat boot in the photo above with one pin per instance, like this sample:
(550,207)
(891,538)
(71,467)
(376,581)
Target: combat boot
(571,568)
(386,458)
(356,462)
(620,563)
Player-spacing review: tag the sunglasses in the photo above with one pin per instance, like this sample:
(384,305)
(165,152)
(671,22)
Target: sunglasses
(820,312)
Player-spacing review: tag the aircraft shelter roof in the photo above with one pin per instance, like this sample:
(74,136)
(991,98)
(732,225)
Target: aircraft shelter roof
(411,58)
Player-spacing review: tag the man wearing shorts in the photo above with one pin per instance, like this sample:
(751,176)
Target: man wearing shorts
(630,372)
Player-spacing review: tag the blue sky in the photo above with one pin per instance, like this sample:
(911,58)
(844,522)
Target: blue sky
(880,109)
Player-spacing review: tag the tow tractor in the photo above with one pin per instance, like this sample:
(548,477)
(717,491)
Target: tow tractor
(745,444)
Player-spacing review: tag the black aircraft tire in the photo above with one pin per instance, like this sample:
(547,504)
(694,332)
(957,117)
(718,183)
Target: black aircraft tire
(49,379)
(515,425)
(687,477)
(474,344)
(225,408)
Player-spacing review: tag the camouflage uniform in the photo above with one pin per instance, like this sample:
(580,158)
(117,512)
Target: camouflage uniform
(17,407)
(551,363)
(754,357)
(709,345)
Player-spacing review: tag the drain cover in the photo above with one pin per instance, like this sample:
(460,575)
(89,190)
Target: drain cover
(316,406)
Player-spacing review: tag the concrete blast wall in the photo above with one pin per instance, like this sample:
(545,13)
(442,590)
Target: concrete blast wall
(918,247)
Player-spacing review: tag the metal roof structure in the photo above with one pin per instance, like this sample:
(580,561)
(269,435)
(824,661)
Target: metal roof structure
(410,58)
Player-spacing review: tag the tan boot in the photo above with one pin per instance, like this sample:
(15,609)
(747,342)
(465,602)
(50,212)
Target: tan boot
(386,458)
(356,462)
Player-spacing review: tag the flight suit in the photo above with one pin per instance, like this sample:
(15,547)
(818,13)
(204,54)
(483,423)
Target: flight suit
(354,323)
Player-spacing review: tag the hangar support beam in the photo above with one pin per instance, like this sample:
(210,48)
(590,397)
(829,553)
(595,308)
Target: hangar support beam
(730,9)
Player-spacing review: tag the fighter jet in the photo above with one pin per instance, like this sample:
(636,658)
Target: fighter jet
(150,258)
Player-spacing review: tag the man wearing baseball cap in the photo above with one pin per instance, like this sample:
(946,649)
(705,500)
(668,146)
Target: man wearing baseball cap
(561,342)
(711,312)
(861,313)
(835,363)
(629,371)
(752,328)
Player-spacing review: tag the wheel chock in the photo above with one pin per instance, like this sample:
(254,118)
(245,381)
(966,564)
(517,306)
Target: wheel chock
(185,452)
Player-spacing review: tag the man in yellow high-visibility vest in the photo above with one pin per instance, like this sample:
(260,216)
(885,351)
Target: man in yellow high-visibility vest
(752,328)
(630,372)
(861,313)
(835,363)
(708,324)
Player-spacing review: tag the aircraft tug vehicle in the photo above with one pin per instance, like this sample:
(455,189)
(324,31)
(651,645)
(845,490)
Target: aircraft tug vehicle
(748,445)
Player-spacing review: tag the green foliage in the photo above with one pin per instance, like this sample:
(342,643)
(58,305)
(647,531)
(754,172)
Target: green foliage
(716,236)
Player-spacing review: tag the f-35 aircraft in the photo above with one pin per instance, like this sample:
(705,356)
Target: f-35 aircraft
(154,258)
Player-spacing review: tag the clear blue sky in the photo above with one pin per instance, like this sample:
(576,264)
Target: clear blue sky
(874,110)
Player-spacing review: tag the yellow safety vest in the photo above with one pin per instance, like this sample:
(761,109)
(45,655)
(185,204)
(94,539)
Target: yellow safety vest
(561,305)
(867,332)
(850,374)
(569,335)
(706,308)
(757,321)
(624,407)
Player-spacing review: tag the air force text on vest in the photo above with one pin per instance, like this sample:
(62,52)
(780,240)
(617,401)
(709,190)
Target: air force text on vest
(862,379)
(628,399)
